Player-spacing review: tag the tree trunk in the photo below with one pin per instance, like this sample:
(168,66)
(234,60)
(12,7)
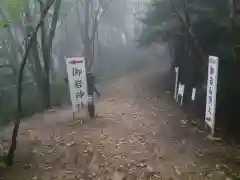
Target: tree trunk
(47,41)
(11,152)
(88,55)
(86,38)
(47,90)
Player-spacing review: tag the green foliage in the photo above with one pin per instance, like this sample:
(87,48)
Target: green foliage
(4,23)
(13,8)
(210,22)
(17,19)
(32,102)
(161,18)
(158,19)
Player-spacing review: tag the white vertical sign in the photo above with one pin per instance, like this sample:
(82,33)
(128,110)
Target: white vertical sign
(176,83)
(77,82)
(211,92)
(181,89)
(193,93)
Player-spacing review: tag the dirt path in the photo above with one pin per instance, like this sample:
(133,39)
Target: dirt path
(139,134)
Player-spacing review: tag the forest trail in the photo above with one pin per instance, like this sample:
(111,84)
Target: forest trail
(139,133)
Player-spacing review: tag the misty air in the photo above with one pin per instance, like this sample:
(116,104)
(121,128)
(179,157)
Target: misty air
(119,90)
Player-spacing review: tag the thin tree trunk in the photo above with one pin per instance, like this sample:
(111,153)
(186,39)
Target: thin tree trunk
(47,52)
(87,43)
(12,149)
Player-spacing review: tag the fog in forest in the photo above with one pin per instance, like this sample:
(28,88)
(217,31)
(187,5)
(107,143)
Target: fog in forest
(104,32)
(119,89)
(115,42)
(115,48)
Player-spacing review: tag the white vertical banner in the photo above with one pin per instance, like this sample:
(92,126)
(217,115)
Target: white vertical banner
(193,93)
(77,82)
(181,89)
(211,92)
(176,83)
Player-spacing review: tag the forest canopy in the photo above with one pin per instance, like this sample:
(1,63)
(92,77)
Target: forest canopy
(193,30)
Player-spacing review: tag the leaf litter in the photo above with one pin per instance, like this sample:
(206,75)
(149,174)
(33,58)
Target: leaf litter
(121,152)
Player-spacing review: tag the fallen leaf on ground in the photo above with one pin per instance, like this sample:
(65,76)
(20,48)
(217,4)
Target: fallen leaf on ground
(194,122)
(184,122)
(199,153)
(51,151)
(47,168)
(71,144)
(141,165)
(72,133)
(216,175)
(149,168)
(118,175)
(177,170)
(27,166)
(194,164)
(165,122)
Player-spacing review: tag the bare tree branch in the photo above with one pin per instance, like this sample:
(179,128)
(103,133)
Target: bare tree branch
(190,32)
(96,20)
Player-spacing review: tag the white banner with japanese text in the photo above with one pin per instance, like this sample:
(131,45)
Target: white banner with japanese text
(77,82)
(211,92)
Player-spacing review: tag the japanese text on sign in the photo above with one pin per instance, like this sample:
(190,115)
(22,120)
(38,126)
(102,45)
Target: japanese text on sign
(211,91)
(77,82)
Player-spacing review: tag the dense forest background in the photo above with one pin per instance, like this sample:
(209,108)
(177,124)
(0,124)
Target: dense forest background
(192,30)
(68,28)
(37,35)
